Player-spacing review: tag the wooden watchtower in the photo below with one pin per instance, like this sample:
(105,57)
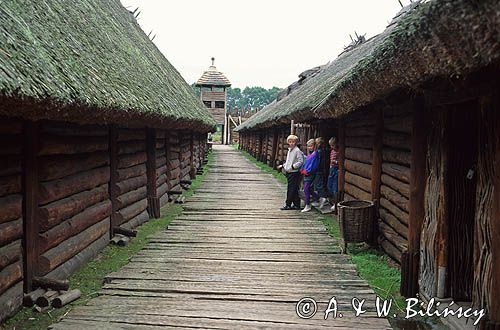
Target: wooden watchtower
(213,93)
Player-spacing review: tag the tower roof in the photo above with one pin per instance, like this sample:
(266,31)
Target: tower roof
(212,77)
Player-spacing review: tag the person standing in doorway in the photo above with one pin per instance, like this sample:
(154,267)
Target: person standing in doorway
(293,163)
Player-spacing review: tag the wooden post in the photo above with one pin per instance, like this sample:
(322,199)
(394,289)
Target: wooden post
(442,211)
(377,169)
(30,202)
(494,309)
(417,200)
(153,200)
(292,127)
(341,160)
(113,177)
(192,173)
(274,150)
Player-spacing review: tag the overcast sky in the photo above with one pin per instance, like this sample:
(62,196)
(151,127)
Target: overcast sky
(261,42)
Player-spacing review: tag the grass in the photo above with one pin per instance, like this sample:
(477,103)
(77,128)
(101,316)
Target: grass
(373,266)
(90,278)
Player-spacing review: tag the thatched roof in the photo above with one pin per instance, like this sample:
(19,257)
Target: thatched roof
(213,77)
(425,40)
(89,61)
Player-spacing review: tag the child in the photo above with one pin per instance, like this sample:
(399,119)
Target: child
(294,161)
(318,183)
(309,171)
(334,171)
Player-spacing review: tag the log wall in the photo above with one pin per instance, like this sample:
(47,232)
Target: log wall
(173,162)
(185,139)
(358,141)
(395,180)
(132,201)
(11,222)
(161,167)
(64,186)
(74,207)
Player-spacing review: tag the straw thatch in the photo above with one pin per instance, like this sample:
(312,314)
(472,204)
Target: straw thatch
(425,40)
(89,61)
(213,77)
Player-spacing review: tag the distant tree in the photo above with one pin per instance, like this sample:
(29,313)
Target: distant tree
(254,98)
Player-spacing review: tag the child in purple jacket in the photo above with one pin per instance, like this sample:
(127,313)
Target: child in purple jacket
(309,171)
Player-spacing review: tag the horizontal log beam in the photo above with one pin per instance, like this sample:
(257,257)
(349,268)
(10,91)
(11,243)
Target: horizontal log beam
(10,253)
(131,211)
(401,215)
(395,197)
(358,181)
(10,275)
(402,173)
(11,208)
(392,221)
(11,231)
(57,189)
(131,197)
(74,225)
(54,213)
(130,172)
(397,140)
(65,129)
(10,184)
(50,283)
(359,154)
(131,147)
(397,156)
(130,184)
(399,186)
(72,246)
(124,231)
(55,145)
(129,160)
(58,166)
(358,168)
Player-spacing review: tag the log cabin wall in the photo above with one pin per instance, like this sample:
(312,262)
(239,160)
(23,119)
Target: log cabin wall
(395,179)
(73,206)
(11,222)
(131,200)
(358,141)
(269,147)
(173,162)
(161,167)
(185,154)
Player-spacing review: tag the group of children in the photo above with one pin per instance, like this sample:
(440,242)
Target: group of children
(312,168)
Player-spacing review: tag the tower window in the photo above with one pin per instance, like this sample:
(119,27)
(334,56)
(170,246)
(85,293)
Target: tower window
(208,104)
(219,104)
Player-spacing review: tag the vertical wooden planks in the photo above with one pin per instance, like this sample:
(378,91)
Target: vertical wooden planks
(30,202)
(152,196)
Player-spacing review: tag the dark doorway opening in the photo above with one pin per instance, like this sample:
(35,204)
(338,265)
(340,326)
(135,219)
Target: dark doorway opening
(461,197)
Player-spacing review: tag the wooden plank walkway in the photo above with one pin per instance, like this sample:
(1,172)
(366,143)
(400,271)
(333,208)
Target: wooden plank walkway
(233,260)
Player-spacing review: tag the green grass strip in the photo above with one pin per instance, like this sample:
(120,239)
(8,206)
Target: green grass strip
(90,278)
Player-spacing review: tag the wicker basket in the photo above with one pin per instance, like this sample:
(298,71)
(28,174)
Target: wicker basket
(356,220)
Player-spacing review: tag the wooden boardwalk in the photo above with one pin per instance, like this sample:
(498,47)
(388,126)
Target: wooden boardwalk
(233,260)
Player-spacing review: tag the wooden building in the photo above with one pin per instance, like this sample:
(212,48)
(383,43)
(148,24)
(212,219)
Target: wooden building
(416,110)
(97,130)
(213,86)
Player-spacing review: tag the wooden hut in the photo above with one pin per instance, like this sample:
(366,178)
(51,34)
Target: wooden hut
(417,116)
(97,130)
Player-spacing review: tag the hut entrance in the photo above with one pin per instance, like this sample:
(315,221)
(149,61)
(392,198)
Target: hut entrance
(461,196)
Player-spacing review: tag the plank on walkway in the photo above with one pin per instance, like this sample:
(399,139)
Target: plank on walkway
(232,260)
